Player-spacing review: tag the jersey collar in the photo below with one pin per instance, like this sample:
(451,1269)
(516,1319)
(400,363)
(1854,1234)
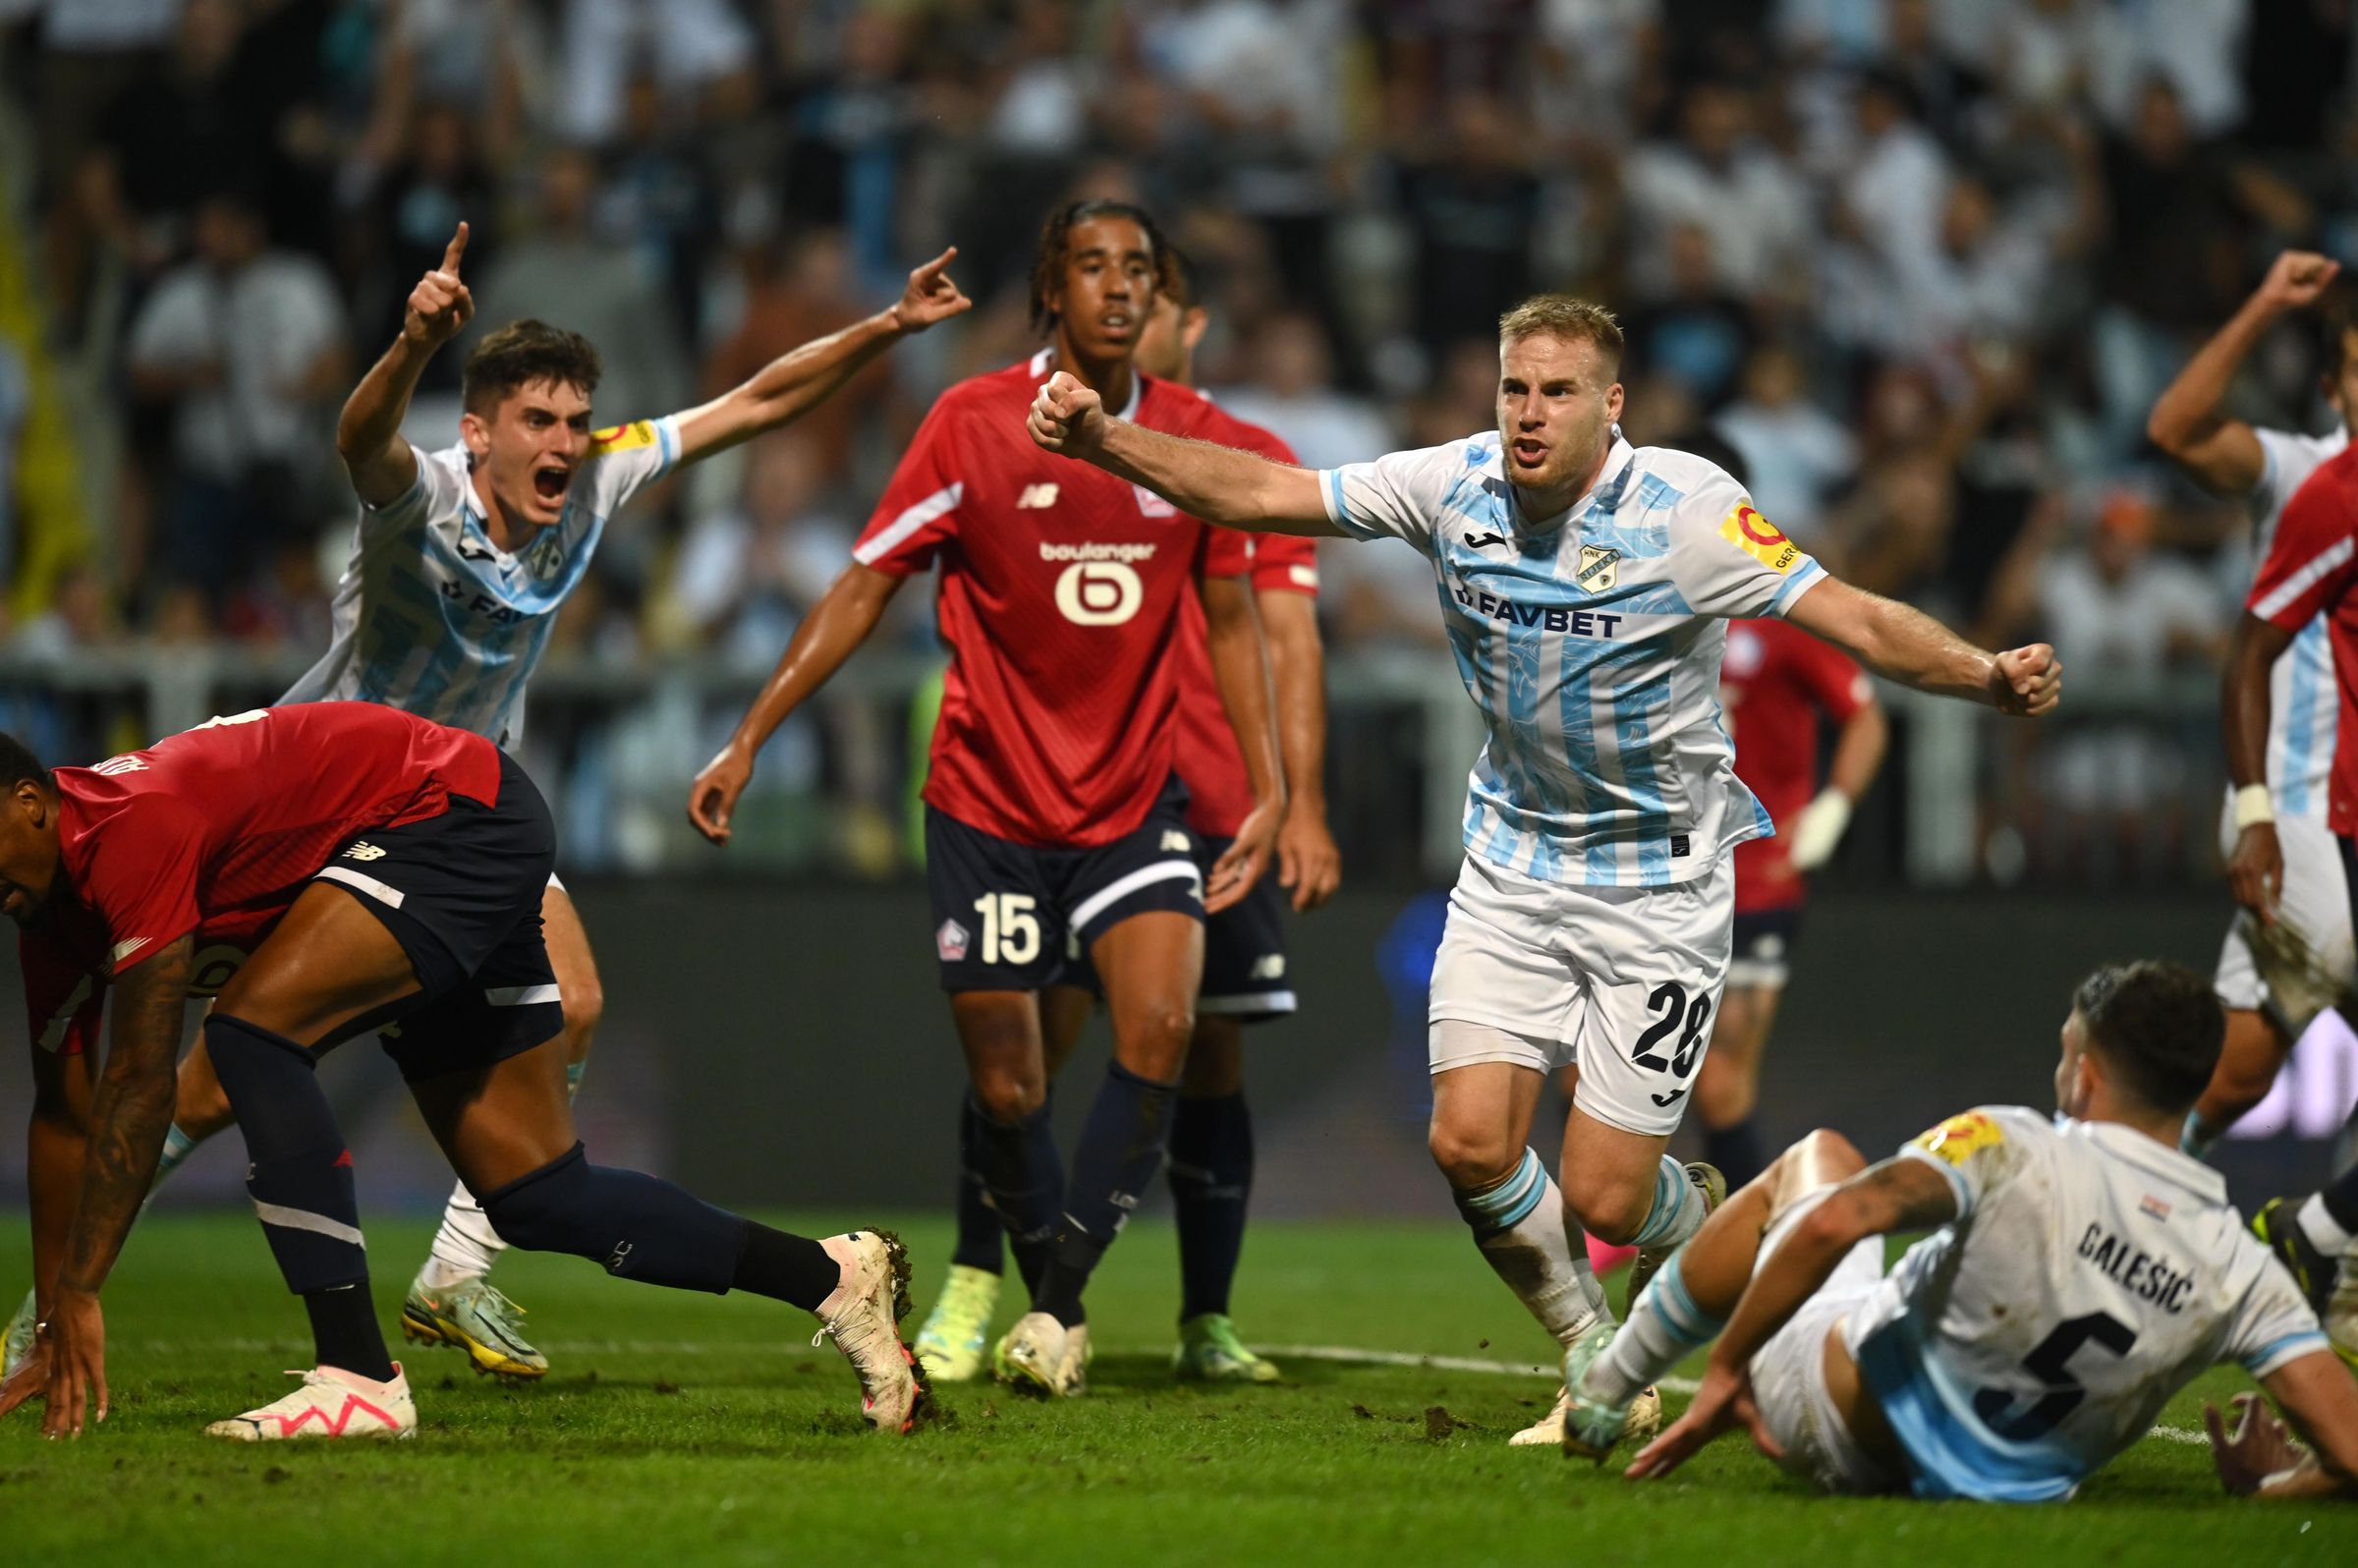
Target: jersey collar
(1608,489)
(473,517)
(2165,1164)
(1138,382)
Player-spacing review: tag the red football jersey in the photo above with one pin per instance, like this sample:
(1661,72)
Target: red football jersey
(215,831)
(1064,592)
(1210,763)
(1775,683)
(2312,563)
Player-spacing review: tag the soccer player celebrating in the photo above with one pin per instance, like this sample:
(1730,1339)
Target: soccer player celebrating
(459,563)
(1051,817)
(1245,977)
(2268,468)
(2310,572)
(1583,584)
(1774,685)
(2084,1270)
(379,869)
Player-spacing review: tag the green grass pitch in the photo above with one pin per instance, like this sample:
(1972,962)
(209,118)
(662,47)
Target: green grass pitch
(678,1429)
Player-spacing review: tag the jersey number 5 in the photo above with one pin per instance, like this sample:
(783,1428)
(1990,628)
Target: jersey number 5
(2050,1363)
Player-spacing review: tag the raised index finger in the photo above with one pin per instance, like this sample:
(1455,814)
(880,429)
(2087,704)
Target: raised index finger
(455,249)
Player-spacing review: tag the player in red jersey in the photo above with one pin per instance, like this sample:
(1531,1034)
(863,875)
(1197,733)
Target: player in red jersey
(334,869)
(1245,977)
(1051,814)
(1775,683)
(2311,570)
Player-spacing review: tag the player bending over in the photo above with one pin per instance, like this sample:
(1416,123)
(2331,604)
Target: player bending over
(1245,980)
(460,560)
(2309,574)
(1051,814)
(386,873)
(2085,1270)
(2268,1004)
(1584,584)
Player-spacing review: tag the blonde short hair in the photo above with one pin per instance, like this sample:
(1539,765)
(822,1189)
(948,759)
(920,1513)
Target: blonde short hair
(1562,315)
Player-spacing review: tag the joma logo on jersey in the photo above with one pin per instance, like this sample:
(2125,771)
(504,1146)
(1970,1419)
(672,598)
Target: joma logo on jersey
(1036,496)
(1548,617)
(482,604)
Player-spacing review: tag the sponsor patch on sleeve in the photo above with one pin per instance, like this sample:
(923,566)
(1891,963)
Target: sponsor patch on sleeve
(1961,1136)
(623,437)
(1760,539)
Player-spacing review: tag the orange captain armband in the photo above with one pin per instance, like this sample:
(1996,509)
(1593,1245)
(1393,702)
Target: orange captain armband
(1961,1136)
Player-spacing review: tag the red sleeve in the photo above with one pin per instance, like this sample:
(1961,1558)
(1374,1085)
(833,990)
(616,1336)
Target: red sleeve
(140,879)
(1833,681)
(61,998)
(2313,558)
(1286,563)
(919,511)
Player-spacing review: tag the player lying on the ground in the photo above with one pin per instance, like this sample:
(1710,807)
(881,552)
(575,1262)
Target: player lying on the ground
(1245,980)
(1584,584)
(386,872)
(2084,1272)
(1052,817)
(2268,1003)
(461,561)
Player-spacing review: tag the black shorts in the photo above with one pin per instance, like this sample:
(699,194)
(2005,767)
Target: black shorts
(1762,953)
(461,892)
(1244,951)
(1006,916)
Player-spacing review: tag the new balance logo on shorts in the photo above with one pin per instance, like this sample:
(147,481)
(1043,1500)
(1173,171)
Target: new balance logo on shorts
(1175,843)
(1269,966)
(364,852)
(1036,496)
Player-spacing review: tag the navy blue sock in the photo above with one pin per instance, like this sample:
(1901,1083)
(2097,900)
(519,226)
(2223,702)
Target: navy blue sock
(1023,1175)
(635,1225)
(982,1237)
(1211,1179)
(1736,1150)
(2340,1197)
(299,1174)
(1121,1145)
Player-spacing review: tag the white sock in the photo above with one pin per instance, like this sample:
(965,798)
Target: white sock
(177,1147)
(2324,1231)
(1522,1230)
(1665,1328)
(1678,1209)
(466,1246)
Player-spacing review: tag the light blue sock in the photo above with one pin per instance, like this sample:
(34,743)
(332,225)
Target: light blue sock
(177,1147)
(1665,1328)
(2195,1139)
(1678,1209)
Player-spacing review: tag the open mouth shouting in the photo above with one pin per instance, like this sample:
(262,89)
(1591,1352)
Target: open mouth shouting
(551,480)
(1527,452)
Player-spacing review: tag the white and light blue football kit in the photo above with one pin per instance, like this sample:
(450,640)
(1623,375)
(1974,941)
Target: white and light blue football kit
(433,618)
(1590,922)
(2304,708)
(2091,1274)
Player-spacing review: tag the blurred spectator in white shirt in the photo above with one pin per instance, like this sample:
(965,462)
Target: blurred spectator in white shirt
(1292,395)
(1718,178)
(1797,454)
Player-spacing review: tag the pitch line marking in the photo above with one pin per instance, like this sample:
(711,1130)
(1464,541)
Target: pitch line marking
(1336,1353)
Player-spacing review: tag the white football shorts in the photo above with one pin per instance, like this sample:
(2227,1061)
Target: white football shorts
(1788,1374)
(2316,899)
(1619,981)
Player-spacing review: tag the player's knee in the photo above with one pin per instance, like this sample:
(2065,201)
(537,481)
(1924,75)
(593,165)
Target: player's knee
(1008,1095)
(1471,1158)
(1612,1213)
(550,1210)
(1816,1159)
(1151,1038)
(585,1004)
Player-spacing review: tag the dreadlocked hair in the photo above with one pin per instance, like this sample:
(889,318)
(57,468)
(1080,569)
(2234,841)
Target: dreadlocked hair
(1056,239)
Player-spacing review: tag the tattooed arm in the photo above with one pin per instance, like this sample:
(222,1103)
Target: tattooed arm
(129,1117)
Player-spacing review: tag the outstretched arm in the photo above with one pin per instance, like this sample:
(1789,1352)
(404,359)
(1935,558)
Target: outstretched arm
(1240,665)
(1907,645)
(2219,453)
(839,623)
(1900,1194)
(129,1117)
(1218,483)
(2259,1458)
(796,382)
(368,431)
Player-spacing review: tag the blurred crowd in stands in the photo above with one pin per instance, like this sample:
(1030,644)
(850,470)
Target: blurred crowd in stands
(1923,263)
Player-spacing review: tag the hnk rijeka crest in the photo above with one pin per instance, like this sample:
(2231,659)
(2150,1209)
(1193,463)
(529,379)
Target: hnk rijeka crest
(1599,566)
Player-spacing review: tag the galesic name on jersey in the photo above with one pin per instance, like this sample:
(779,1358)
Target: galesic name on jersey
(1549,617)
(2140,1273)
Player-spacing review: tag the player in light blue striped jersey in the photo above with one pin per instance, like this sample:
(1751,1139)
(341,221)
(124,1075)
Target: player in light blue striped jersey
(460,561)
(1584,584)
